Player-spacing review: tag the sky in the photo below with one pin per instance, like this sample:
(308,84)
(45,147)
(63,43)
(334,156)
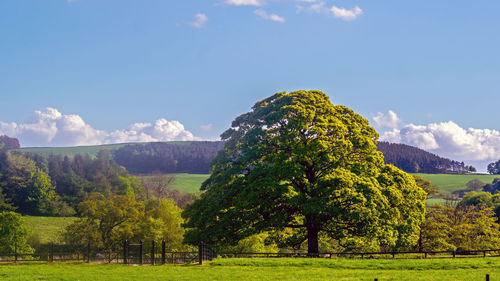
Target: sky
(81,72)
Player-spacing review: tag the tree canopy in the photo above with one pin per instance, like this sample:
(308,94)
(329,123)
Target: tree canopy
(494,168)
(299,166)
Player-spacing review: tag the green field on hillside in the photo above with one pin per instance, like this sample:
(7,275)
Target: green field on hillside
(187,183)
(449,183)
(446,183)
(266,269)
(90,150)
(48,228)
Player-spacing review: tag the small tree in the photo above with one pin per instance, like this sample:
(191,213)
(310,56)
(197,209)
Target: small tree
(13,234)
(105,222)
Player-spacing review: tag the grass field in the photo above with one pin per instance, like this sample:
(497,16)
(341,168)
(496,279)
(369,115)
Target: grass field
(449,183)
(266,269)
(90,150)
(48,228)
(187,183)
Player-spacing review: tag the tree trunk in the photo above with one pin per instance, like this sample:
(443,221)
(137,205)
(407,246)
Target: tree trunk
(312,240)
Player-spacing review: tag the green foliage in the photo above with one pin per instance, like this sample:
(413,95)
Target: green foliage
(13,234)
(257,243)
(162,221)
(28,187)
(466,227)
(107,222)
(299,162)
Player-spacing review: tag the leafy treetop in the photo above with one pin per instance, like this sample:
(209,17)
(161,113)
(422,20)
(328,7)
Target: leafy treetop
(299,166)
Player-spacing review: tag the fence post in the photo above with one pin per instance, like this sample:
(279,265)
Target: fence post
(200,253)
(163,254)
(15,251)
(140,252)
(153,252)
(484,254)
(453,253)
(487,277)
(88,251)
(125,251)
(51,252)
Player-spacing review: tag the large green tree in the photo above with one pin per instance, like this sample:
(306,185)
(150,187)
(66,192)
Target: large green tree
(300,165)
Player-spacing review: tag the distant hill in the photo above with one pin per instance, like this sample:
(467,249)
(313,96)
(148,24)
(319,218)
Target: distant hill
(415,160)
(194,157)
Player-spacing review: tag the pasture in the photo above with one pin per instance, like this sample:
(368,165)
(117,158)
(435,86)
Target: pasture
(186,183)
(48,229)
(91,150)
(265,269)
(448,183)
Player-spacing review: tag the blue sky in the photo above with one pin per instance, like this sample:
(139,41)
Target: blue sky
(115,63)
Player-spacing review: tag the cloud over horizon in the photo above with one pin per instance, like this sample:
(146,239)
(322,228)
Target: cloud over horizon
(49,127)
(448,139)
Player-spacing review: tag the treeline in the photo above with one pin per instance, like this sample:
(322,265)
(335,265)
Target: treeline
(55,185)
(181,157)
(415,160)
(195,157)
(9,143)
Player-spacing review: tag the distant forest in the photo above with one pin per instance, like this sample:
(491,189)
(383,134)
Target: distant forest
(415,160)
(180,157)
(194,157)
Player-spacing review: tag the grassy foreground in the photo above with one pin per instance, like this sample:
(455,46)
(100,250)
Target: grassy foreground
(266,269)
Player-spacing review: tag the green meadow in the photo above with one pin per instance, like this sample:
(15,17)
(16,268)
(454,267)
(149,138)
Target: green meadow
(91,150)
(266,269)
(187,183)
(48,229)
(449,183)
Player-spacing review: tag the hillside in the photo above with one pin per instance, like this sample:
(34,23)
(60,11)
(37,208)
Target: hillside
(91,150)
(415,160)
(194,157)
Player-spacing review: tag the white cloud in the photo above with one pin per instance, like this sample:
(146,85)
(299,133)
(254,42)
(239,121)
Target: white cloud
(342,13)
(207,128)
(345,14)
(389,120)
(243,2)
(449,140)
(199,21)
(273,17)
(49,127)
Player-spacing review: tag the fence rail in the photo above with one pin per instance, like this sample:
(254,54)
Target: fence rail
(155,253)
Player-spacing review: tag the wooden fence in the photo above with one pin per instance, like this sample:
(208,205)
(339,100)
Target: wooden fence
(155,253)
